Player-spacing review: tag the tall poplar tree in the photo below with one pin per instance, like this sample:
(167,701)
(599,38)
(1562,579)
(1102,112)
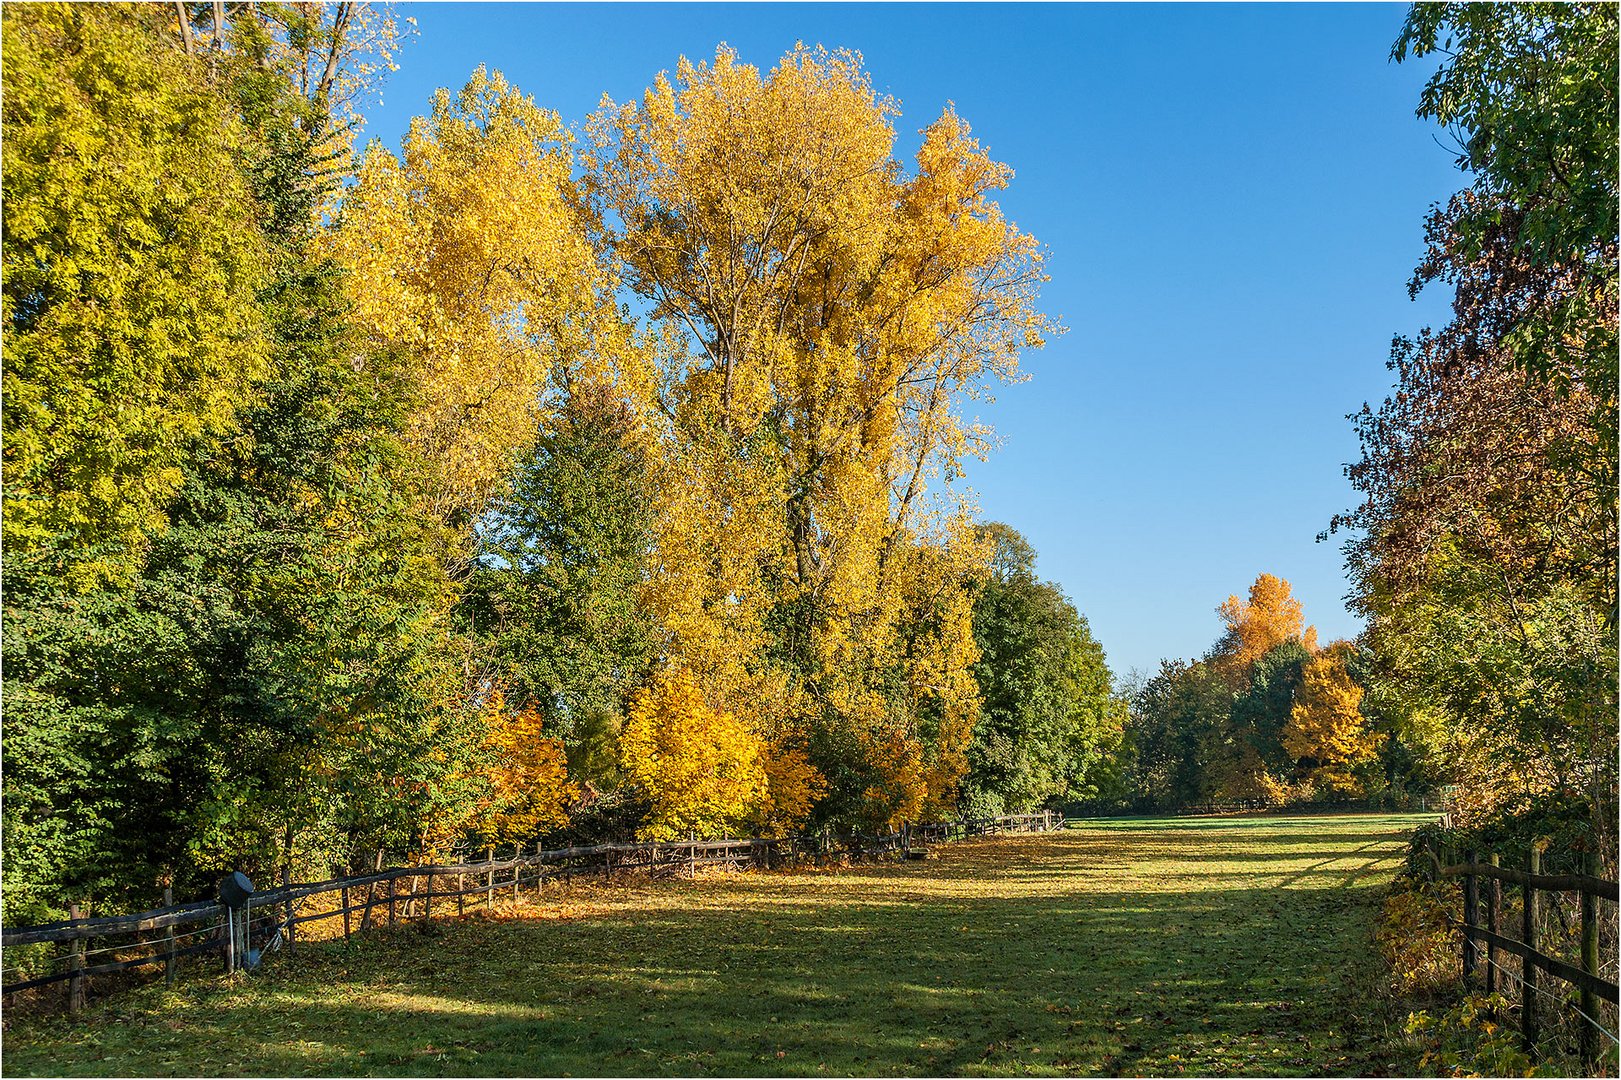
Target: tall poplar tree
(829,313)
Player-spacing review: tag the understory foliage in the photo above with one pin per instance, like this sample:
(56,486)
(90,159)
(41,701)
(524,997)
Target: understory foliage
(361,505)
(1417,939)
(1471,1039)
(529,790)
(699,766)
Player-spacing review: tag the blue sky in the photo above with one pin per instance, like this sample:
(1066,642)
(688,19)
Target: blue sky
(1232,198)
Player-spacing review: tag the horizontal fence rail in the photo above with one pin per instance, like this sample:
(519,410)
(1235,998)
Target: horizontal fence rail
(268,919)
(1482,940)
(1576,883)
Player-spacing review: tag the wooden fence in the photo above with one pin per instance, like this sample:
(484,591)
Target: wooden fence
(269,919)
(1483,939)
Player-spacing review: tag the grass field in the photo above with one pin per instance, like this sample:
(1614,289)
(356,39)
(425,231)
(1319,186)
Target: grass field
(1204,946)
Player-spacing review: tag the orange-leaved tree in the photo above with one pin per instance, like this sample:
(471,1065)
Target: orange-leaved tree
(699,767)
(1269,618)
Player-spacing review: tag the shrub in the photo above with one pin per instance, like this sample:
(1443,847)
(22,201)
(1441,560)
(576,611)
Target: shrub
(1417,939)
(1472,1039)
(698,767)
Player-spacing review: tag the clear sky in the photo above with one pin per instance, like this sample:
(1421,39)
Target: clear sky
(1232,196)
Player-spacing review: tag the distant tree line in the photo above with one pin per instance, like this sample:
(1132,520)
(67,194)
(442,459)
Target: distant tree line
(1266,717)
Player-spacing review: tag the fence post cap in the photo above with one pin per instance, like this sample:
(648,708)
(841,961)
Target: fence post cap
(235,889)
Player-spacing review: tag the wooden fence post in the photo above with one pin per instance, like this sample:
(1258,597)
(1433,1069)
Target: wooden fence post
(1494,904)
(228,929)
(427,903)
(76,966)
(461,895)
(168,939)
(287,908)
(1471,913)
(345,898)
(392,878)
(489,880)
(1589,1029)
(244,933)
(1528,971)
(371,894)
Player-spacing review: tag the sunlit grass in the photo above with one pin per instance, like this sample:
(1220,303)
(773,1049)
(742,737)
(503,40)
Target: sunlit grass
(1198,946)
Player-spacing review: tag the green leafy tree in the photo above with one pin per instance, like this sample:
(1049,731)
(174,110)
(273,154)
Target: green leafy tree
(1261,711)
(1178,729)
(1486,560)
(1048,710)
(276,664)
(277,670)
(1530,92)
(555,598)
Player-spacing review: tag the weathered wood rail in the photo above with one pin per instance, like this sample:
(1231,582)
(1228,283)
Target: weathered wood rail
(1483,939)
(269,919)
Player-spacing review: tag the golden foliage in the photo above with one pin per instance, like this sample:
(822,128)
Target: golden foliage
(1243,775)
(1417,938)
(467,256)
(832,313)
(793,785)
(1326,725)
(1269,618)
(527,775)
(132,263)
(699,767)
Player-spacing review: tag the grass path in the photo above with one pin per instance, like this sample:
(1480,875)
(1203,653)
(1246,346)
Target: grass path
(1206,946)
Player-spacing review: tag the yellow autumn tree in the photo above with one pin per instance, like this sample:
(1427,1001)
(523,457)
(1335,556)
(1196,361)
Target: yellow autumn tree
(699,767)
(132,267)
(527,774)
(792,787)
(1270,617)
(1326,728)
(470,266)
(833,314)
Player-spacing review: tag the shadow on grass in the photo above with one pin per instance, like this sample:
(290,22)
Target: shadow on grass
(1007,955)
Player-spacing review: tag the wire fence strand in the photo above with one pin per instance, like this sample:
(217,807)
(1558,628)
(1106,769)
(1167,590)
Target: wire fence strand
(1565,1002)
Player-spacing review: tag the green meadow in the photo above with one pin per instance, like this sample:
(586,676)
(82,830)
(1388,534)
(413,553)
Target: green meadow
(1200,946)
